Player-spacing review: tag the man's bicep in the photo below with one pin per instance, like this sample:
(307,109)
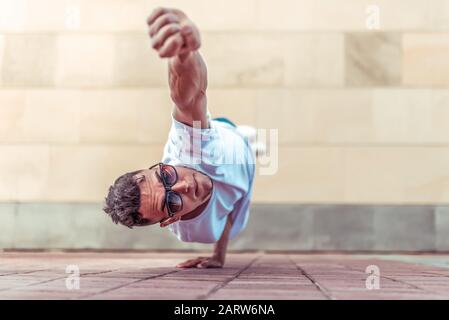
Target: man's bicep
(197,111)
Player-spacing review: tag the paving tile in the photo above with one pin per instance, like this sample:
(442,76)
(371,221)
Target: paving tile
(20,295)
(172,285)
(271,276)
(228,294)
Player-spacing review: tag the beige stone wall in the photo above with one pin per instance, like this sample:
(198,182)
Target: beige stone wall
(363,115)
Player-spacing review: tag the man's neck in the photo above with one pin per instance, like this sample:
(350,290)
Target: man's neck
(195,213)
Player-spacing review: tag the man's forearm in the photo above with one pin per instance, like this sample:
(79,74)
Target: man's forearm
(187,78)
(221,245)
(218,257)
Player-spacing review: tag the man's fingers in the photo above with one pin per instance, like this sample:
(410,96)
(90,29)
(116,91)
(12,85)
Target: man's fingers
(162,21)
(184,265)
(171,46)
(164,26)
(164,33)
(190,263)
(156,14)
(201,262)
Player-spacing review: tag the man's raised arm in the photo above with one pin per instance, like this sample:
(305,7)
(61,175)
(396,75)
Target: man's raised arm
(174,36)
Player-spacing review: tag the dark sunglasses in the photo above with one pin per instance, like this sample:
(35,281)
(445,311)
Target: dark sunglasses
(169,177)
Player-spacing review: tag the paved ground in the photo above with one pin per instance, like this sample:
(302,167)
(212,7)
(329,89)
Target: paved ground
(246,276)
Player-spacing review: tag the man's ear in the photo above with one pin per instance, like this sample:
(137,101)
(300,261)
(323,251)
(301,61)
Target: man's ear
(167,221)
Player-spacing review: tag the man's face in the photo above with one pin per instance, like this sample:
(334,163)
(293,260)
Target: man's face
(194,188)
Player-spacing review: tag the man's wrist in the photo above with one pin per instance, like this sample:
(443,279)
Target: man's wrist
(179,61)
(183,56)
(218,256)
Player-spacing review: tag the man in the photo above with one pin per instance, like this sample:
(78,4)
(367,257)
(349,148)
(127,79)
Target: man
(202,188)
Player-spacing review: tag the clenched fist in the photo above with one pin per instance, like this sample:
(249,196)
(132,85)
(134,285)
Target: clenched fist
(172,33)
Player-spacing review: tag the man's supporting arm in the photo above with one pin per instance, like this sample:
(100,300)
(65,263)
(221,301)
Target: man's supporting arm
(219,256)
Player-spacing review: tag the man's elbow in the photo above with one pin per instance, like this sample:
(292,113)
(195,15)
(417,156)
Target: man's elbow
(187,101)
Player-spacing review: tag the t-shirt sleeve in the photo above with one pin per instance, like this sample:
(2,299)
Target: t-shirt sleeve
(191,145)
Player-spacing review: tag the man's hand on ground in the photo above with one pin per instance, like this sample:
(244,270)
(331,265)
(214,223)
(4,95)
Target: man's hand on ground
(218,257)
(172,32)
(202,262)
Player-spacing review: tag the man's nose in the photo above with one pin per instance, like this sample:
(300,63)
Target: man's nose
(181,187)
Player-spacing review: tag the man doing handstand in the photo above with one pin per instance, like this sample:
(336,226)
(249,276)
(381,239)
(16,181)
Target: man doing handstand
(202,187)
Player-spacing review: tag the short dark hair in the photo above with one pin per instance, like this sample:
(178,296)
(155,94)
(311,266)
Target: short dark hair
(123,201)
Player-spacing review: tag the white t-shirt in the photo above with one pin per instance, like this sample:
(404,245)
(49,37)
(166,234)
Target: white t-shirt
(225,156)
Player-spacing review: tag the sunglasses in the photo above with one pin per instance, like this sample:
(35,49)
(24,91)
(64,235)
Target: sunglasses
(169,177)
